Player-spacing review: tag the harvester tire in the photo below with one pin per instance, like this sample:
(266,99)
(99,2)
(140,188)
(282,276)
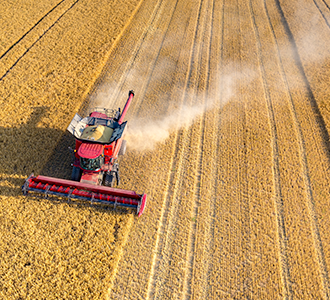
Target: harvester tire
(76,174)
(122,150)
(109,180)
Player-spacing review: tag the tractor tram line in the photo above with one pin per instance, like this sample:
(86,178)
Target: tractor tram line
(160,240)
(142,51)
(170,198)
(124,72)
(191,206)
(195,278)
(27,48)
(319,137)
(278,197)
(318,4)
(207,290)
(197,158)
(202,232)
(303,161)
(161,292)
(31,29)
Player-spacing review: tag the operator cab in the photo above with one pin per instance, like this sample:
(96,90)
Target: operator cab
(91,156)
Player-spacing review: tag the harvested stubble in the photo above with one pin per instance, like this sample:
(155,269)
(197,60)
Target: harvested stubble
(51,52)
(239,207)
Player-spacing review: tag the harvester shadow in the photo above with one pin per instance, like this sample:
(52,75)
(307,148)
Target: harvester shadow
(24,150)
(19,144)
(59,162)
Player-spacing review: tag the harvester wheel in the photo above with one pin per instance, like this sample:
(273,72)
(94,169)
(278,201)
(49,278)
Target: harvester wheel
(122,150)
(109,180)
(76,174)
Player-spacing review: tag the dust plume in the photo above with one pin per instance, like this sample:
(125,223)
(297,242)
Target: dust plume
(145,133)
(311,33)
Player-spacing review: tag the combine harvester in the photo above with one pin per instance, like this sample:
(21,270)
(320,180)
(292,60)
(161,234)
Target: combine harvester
(99,142)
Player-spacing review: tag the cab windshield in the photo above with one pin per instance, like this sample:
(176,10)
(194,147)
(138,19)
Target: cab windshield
(91,164)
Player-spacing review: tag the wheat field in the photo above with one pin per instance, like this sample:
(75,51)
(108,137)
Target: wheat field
(228,135)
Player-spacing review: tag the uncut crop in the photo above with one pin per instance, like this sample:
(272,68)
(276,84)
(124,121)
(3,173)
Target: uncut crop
(51,54)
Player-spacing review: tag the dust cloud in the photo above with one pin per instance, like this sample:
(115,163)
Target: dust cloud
(145,133)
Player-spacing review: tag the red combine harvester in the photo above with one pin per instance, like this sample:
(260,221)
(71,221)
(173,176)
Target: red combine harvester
(99,142)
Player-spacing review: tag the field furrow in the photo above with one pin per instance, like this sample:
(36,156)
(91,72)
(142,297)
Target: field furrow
(196,245)
(304,174)
(200,237)
(21,17)
(324,10)
(179,261)
(277,189)
(122,73)
(32,28)
(204,240)
(315,130)
(20,48)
